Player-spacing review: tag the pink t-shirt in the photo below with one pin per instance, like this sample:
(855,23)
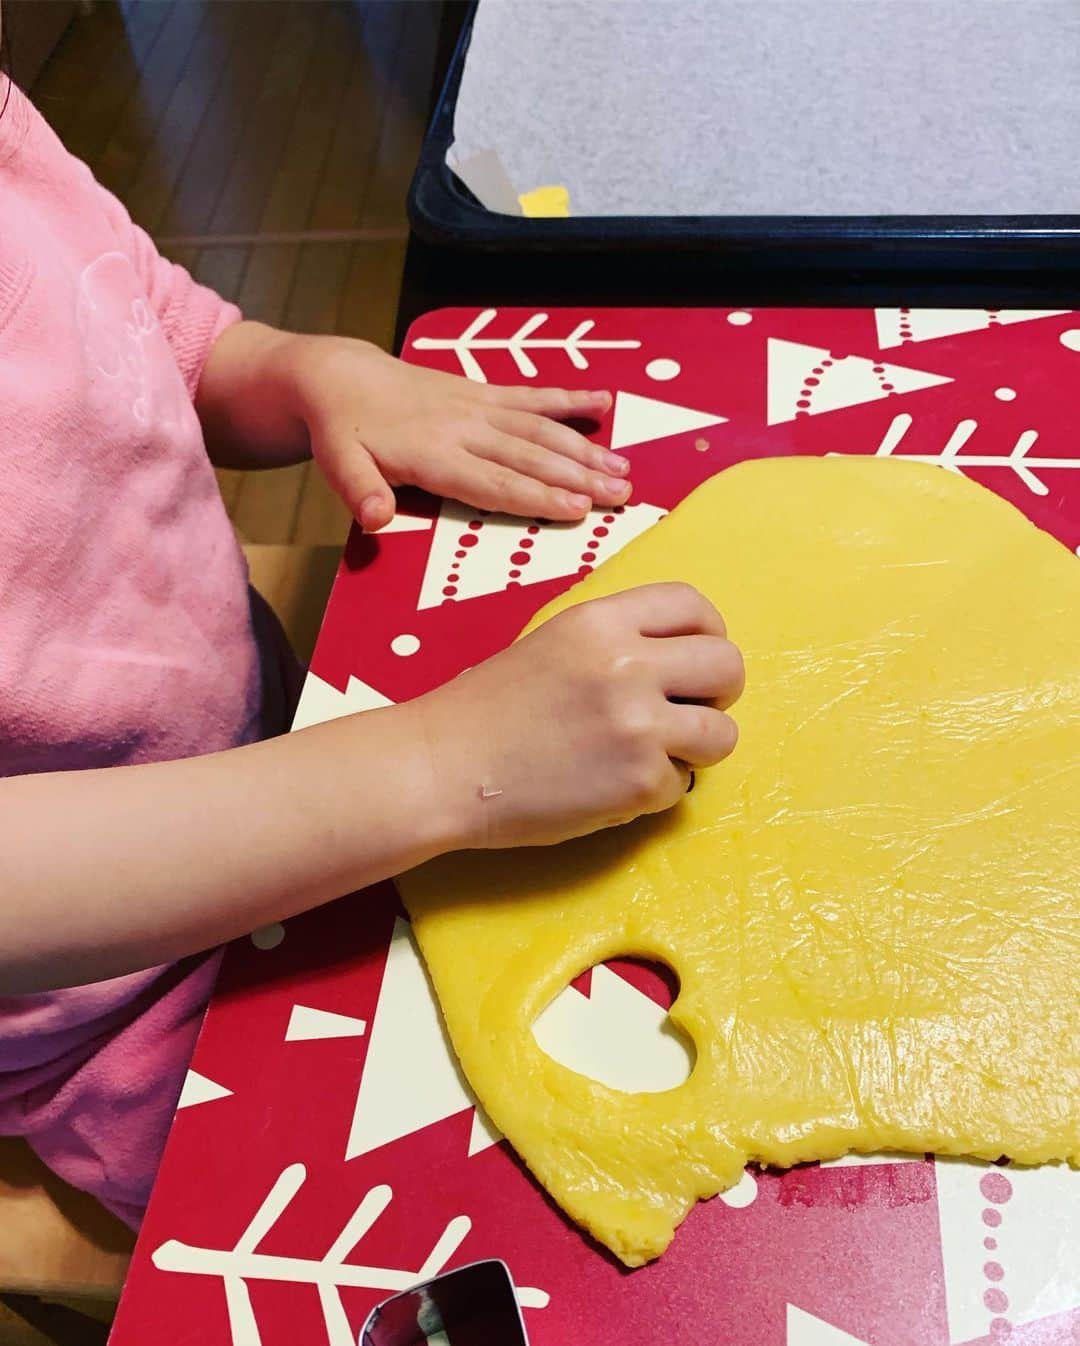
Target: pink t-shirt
(128,634)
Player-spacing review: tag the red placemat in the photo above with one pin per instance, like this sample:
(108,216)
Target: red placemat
(326,1152)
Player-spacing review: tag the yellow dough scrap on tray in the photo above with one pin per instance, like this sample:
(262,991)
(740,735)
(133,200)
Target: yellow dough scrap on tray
(873,907)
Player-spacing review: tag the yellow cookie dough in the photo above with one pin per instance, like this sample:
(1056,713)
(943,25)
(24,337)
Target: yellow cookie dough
(873,907)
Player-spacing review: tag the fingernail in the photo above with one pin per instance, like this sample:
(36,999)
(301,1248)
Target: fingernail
(594,397)
(575,501)
(372,512)
(615,463)
(619,489)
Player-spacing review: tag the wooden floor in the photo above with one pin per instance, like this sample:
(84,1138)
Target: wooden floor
(268,146)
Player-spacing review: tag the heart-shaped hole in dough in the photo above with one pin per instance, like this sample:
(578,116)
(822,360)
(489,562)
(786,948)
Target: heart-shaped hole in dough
(612,1025)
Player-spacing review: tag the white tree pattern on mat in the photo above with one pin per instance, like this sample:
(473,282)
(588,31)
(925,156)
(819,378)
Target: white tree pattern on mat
(330,1274)
(953,460)
(518,345)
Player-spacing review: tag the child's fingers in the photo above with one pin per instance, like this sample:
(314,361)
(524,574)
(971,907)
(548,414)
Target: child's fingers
(491,485)
(667,608)
(560,439)
(700,668)
(561,403)
(553,469)
(699,735)
(357,479)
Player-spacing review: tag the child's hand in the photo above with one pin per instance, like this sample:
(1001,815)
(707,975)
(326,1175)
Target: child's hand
(374,423)
(584,723)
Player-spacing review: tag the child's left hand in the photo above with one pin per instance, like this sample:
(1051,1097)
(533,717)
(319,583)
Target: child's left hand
(375,422)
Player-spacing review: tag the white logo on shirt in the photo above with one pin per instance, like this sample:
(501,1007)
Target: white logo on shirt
(124,344)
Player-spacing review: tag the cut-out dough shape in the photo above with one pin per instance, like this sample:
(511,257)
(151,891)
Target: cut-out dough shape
(616,1035)
(546,202)
(873,907)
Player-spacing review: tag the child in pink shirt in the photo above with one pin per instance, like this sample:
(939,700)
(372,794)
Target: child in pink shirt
(150,808)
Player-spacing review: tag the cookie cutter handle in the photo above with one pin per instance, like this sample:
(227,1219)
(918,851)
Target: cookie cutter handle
(474,1305)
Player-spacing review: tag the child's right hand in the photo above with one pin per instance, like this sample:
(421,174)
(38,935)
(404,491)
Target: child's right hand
(582,724)
(591,720)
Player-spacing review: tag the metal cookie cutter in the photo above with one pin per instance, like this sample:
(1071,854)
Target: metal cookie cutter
(475,1305)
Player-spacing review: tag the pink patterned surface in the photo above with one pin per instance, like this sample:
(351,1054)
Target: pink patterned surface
(908,1253)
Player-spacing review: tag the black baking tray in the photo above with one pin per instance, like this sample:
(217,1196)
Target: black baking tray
(444,214)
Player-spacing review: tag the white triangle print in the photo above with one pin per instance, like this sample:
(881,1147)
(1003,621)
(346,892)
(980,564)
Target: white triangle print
(803,1329)
(320,701)
(407,523)
(896,326)
(483,1134)
(641,419)
(307,1024)
(501,550)
(198,1089)
(807,378)
(616,1035)
(411,1077)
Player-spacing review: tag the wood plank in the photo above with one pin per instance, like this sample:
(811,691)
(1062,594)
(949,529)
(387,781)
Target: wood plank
(322,518)
(369,297)
(266,503)
(54,1240)
(183,254)
(356,133)
(65,84)
(32,34)
(230,482)
(58,1323)
(243,198)
(206,67)
(118,74)
(405,118)
(14,1332)
(222,269)
(316,294)
(304,152)
(268,282)
(134,135)
(219,141)
(384,30)
(384,34)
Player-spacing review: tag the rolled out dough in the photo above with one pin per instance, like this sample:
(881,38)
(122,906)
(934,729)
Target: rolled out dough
(873,907)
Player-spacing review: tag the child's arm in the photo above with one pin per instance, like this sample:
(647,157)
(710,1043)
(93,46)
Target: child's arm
(112,870)
(569,730)
(266,398)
